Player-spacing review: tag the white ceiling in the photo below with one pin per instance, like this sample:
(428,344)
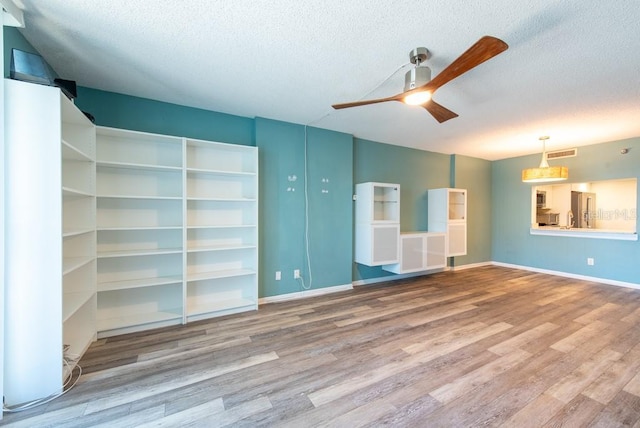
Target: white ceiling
(572,70)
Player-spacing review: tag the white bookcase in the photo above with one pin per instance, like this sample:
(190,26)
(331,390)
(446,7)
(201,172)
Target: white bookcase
(221,229)
(420,251)
(177,230)
(377,214)
(448,213)
(50,262)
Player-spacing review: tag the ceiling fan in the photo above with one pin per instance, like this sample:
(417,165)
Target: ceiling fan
(419,87)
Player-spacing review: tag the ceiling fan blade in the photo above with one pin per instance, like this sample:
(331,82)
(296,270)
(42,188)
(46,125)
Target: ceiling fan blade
(366,102)
(440,113)
(482,50)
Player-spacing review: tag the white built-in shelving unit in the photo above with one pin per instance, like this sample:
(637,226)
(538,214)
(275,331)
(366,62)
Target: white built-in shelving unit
(140,230)
(448,213)
(377,213)
(50,288)
(177,230)
(113,231)
(221,222)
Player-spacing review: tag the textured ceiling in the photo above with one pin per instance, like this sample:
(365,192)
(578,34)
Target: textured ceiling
(572,70)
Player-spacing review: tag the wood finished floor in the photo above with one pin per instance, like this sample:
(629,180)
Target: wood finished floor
(488,346)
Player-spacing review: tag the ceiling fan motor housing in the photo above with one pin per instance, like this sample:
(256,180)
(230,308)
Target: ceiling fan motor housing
(417,76)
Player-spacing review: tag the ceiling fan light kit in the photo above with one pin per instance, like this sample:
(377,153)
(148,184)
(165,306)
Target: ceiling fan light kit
(545,173)
(419,87)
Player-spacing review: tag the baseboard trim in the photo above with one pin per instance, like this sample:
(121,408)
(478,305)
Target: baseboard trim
(471,266)
(570,275)
(304,294)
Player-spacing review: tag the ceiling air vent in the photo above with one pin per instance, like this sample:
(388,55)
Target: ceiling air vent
(565,153)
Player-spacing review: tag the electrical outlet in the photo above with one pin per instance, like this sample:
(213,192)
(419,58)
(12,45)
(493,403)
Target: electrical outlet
(296,274)
(590,261)
(278,275)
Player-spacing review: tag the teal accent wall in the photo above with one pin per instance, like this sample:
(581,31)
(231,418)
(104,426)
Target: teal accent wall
(511,207)
(141,114)
(474,175)
(415,170)
(282,206)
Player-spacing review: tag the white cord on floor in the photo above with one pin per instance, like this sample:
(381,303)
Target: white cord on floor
(40,401)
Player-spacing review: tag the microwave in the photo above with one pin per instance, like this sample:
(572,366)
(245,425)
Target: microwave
(548,219)
(541,199)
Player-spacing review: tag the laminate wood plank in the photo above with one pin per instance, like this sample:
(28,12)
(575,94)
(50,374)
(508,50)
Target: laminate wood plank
(456,339)
(579,412)
(633,317)
(491,403)
(135,419)
(555,296)
(522,339)
(584,334)
(419,353)
(361,415)
(467,382)
(633,386)
(447,311)
(119,398)
(409,294)
(597,313)
(611,382)
(536,413)
(40,420)
(187,417)
(623,411)
(572,384)
(392,309)
(413,414)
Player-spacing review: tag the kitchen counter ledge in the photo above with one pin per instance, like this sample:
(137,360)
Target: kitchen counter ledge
(584,233)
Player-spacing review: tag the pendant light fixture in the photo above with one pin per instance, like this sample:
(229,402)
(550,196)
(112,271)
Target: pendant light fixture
(544,173)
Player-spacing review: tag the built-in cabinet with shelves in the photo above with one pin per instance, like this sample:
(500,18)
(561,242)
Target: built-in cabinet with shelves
(221,228)
(50,214)
(140,230)
(377,229)
(448,213)
(177,230)
(420,251)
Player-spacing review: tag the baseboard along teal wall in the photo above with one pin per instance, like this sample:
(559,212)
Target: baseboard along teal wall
(323,250)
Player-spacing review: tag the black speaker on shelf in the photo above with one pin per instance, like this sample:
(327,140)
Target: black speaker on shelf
(68,87)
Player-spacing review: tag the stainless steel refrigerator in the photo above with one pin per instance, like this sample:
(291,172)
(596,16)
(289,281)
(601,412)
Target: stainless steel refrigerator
(583,207)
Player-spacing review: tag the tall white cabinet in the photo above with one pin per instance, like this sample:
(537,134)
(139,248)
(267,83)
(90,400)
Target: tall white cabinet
(377,213)
(50,262)
(177,230)
(448,213)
